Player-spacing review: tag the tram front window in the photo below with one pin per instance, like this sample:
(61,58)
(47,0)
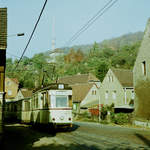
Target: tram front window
(61,101)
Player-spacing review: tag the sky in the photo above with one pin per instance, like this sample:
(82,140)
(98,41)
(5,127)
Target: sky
(124,17)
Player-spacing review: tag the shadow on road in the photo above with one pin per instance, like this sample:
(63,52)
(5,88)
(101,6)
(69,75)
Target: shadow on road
(144,139)
(24,137)
(67,147)
(21,137)
(75,147)
(68,129)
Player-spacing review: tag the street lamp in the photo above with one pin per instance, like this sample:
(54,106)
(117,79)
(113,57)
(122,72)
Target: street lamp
(18,34)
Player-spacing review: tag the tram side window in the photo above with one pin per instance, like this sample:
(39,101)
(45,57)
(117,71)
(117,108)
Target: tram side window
(36,101)
(61,101)
(15,108)
(27,106)
(70,100)
(32,103)
(44,100)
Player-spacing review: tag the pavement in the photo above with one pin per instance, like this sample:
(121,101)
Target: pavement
(82,136)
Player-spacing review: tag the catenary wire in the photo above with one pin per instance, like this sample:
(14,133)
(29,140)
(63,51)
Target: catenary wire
(31,34)
(89,24)
(90,20)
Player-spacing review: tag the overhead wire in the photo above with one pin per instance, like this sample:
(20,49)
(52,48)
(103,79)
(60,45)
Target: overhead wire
(92,20)
(36,24)
(107,6)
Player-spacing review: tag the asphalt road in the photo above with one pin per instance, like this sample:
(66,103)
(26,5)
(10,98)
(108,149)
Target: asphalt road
(83,136)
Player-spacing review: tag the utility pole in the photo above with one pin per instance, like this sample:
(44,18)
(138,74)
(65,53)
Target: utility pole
(3,46)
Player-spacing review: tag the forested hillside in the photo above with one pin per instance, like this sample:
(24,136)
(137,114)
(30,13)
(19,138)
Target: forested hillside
(114,43)
(96,58)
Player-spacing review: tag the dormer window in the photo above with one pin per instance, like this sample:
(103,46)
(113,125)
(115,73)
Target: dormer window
(144,68)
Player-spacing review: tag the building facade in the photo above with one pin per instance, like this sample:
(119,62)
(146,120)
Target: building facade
(92,98)
(117,88)
(81,85)
(141,71)
(11,88)
(3,46)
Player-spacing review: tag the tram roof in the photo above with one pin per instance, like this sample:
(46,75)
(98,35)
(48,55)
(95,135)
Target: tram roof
(53,86)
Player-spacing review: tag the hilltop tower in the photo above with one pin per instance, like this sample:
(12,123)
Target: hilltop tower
(53,35)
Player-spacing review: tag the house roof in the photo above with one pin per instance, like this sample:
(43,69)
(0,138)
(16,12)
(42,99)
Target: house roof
(15,80)
(26,93)
(89,103)
(124,76)
(80,91)
(78,79)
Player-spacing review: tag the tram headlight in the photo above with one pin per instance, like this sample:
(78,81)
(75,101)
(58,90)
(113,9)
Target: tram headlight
(69,119)
(53,119)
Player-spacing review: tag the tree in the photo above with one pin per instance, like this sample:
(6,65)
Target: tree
(94,51)
(102,69)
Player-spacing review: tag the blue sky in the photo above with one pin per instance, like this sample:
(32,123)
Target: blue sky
(70,15)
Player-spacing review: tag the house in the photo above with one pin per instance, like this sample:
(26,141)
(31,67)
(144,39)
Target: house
(11,88)
(23,94)
(79,92)
(117,88)
(81,85)
(92,98)
(141,71)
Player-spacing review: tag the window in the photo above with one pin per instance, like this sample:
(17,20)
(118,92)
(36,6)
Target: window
(36,101)
(27,106)
(106,95)
(74,107)
(110,78)
(9,92)
(8,83)
(52,101)
(144,67)
(61,86)
(132,95)
(61,101)
(114,95)
(93,92)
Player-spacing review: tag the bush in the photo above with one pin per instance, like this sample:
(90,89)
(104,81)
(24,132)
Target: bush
(103,113)
(103,122)
(142,91)
(120,118)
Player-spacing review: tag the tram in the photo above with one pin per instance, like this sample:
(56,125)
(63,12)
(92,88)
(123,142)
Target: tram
(49,105)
